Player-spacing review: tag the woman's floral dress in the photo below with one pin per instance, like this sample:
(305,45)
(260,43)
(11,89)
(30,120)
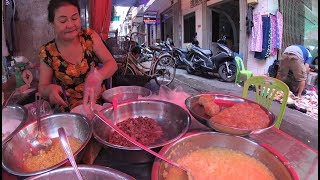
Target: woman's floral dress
(68,75)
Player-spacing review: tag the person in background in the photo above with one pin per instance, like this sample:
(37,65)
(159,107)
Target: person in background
(70,61)
(169,41)
(195,40)
(294,68)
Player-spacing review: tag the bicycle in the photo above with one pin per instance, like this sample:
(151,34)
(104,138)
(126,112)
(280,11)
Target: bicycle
(162,67)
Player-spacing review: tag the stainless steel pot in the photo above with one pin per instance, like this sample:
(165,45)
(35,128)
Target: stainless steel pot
(87,172)
(226,100)
(19,113)
(201,140)
(75,125)
(125,93)
(173,119)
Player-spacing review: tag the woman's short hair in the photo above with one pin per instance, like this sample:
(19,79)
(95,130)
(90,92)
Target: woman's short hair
(55,4)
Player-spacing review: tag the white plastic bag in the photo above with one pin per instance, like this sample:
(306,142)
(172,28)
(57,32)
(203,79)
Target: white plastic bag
(176,96)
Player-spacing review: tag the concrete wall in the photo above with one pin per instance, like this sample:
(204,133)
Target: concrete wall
(32,27)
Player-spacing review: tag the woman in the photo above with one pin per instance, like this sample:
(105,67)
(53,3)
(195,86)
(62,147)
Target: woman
(69,61)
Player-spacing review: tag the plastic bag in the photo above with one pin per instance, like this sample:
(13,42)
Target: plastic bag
(176,96)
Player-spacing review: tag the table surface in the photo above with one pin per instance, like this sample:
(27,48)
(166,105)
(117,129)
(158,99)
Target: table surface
(303,159)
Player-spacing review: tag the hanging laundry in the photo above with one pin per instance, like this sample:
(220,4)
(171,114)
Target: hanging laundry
(273,22)
(256,35)
(269,39)
(279,21)
(265,41)
(249,19)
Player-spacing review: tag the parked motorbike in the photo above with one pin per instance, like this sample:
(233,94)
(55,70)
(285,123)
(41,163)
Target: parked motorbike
(146,53)
(220,61)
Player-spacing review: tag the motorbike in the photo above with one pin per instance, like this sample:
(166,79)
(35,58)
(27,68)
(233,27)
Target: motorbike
(146,53)
(220,60)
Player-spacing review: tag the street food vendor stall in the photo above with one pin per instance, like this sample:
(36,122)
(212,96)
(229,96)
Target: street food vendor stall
(215,130)
(300,160)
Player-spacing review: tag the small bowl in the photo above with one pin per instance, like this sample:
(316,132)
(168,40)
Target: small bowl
(18,113)
(87,172)
(224,101)
(173,119)
(75,125)
(125,93)
(202,140)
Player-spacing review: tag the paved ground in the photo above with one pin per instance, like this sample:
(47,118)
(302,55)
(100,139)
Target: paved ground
(294,123)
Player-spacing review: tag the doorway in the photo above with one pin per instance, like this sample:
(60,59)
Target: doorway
(225,22)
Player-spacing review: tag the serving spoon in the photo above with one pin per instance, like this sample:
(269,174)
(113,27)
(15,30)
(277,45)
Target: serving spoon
(186,173)
(67,149)
(40,141)
(115,107)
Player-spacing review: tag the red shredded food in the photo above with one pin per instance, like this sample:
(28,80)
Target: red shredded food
(243,115)
(143,129)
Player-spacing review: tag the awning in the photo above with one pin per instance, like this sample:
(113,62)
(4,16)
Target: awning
(129,3)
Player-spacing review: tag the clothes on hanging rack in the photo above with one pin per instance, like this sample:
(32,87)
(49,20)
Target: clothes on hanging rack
(273,44)
(265,31)
(266,36)
(279,32)
(256,35)
(249,19)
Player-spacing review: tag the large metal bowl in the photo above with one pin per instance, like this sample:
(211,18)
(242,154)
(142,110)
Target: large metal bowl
(87,172)
(125,93)
(75,125)
(173,119)
(202,140)
(19,113)
(224,101)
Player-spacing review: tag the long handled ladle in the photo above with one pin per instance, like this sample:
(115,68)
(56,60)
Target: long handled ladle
(118,130)
(67,149)
(40,141)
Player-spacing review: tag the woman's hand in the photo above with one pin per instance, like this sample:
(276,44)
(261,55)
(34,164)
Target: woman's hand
(55,95)
(92,87)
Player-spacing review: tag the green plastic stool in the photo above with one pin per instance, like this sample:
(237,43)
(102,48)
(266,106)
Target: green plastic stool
(241,71)
(266,88)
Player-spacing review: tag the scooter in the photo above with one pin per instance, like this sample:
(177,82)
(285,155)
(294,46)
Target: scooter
(220,61)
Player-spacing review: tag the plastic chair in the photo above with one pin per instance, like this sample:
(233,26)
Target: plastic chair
(266,88)
(241,69)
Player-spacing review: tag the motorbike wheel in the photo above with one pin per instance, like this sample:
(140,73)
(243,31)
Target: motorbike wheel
(165,70)
(224,74)
(190,70)
(177,61)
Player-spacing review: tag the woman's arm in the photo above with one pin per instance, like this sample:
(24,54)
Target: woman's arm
(46,88)
(109,63)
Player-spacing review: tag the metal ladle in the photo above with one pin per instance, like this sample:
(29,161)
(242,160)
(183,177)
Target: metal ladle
(67,149)
(40,141)
(133,141)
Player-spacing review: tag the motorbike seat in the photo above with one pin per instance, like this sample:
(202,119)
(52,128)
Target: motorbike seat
(183,50)
(205,51)
(155,48)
